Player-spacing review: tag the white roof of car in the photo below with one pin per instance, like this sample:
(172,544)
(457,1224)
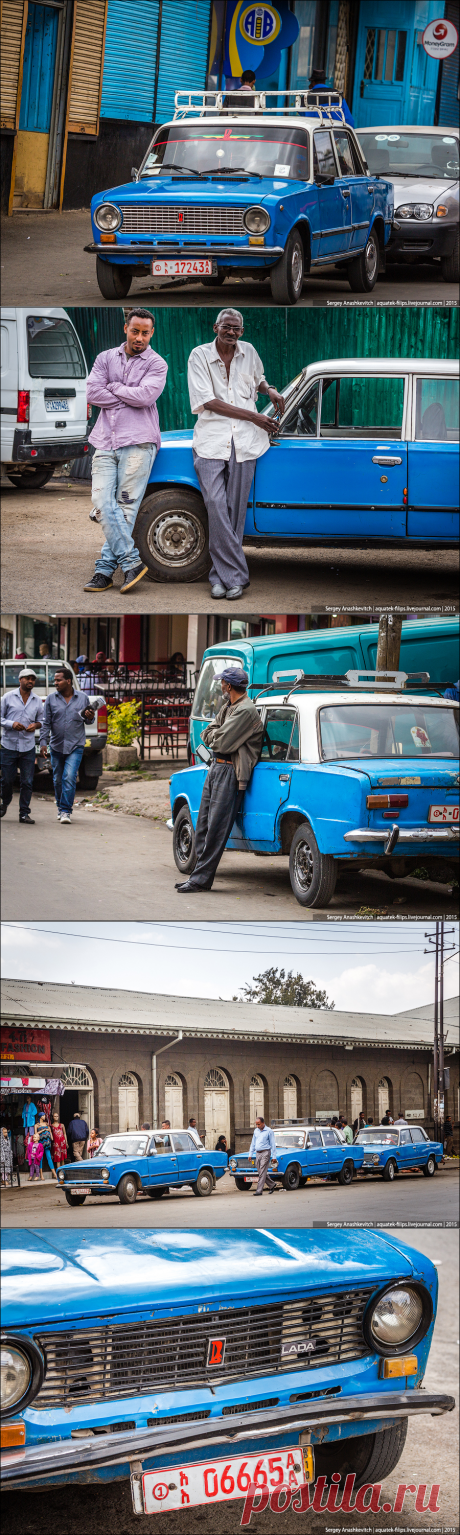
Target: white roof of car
(385,366)
(320,695)
(443,133)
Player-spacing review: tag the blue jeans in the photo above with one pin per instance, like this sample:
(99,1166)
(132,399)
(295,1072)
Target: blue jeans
(65,769)
(11,761)
(47,1154)
(119,480)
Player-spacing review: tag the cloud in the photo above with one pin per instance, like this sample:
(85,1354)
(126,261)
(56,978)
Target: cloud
(382,991)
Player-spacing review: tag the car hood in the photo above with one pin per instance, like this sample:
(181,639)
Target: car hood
(177,190)
(421,189)
(64,1275)
(383,773)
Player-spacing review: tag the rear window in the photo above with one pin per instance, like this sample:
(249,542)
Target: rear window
(54,348)
(436,410)
(387,730)
(209,697)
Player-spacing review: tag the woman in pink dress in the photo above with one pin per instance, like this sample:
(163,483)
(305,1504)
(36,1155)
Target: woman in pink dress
(59,1142)
(34,1156)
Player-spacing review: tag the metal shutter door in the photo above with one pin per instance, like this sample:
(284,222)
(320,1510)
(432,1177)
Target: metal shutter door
(183,52)
(86,65)
(12,29)
(448,105)
(132,31)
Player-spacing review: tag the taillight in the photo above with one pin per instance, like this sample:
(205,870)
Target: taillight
(102,719)
(23,405)
(192,759)
(89,411)
(387,801)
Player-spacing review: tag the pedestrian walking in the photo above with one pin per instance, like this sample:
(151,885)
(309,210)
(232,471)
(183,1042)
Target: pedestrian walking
(224,378)
(263,1147)
(34,1153)
(448,1136)
(125,382)
(59,1141)
(78,1133)
(63,726)
(46,1137)
(235,739)
(21,712)
(6,1151)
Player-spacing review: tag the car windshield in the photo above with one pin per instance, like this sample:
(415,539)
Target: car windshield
(124,1145)
(290,1138)
(226,147)
(388,730)
(209,697)
(429,155)
(378,1137)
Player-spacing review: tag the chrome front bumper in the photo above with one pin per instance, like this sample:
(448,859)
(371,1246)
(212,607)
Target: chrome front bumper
(21,1468)
(183,252)
(393,834)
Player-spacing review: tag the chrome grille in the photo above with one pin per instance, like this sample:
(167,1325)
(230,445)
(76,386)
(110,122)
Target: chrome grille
(77,1174)
(112,1361)
(199,219)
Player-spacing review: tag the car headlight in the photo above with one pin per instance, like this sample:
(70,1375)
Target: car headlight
(107,217)
(61,1174)
(105,1174)
(233,1165)
(414,211)
(274,1162)
(16,1374)
(403,1312)
(256,220)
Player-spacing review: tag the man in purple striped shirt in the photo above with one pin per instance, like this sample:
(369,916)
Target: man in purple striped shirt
(125,382)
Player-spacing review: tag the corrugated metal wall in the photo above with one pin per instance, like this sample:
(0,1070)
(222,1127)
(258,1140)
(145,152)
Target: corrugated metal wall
(448,105)
(183,52)
(86,65)
(12,19)
(129,60)
(286,339)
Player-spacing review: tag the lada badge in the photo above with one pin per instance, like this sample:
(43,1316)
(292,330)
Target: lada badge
(298,1346)
(390,782)
(216,1352)
(180,218)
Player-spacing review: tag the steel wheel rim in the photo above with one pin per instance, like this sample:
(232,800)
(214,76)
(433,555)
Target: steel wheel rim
(184,842)
(303,866)
(176,538)
(297,267)
(130,1189)
(371,258)
(391,1171)
(205,1181)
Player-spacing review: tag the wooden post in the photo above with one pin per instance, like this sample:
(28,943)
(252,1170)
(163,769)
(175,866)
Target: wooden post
(389,643)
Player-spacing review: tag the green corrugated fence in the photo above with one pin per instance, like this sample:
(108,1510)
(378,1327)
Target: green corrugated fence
(286,339)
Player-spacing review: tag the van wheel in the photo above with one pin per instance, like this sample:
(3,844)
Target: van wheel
(291,1177)
(204,1183)
(157,1193)
(346,1173)
(243,1184)
(171,534)
(363,272)
(87,780)
(184,842)
(313,874)
(389,1172)
(113,281)
(286,278)
(74,1199)
(127,1190)
(30,479)
(450,265)
(430,1169)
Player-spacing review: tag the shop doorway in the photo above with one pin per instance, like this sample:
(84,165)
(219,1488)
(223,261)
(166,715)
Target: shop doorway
(383,1097)
(174,1107)
(128,1102)
(38,76)
(290,1098)
(216,1107)
(256,1100)
(79,1094)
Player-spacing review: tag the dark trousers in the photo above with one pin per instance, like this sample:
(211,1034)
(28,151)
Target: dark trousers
(220,801)
(11,761)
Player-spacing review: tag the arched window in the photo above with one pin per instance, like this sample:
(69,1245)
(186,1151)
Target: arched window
(256,1099)
(413,1105)
(326,1093)
(77,1079)
(174,1108)
(356,1098)
(77,1076)
(383,1097)
(128,1102)
(216,1107)
(290,1098)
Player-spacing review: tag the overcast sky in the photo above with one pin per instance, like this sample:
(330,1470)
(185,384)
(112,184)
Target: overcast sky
(362,966)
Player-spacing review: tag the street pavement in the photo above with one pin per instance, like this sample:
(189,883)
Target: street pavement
(108,863)
(45,262)
(49,532)
(430,1456)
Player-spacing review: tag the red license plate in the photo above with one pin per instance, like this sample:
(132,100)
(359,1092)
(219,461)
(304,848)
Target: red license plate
(440,814)
(182,267)
(218,1481)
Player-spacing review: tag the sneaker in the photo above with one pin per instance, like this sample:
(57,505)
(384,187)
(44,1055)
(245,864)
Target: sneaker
(99,583)
(59,815)
(65,819)
(94,515)
(131,577)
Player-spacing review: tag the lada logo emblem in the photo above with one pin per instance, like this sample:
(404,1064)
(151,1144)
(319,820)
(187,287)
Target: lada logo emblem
(180,218)
(216,1351)
(298,1346)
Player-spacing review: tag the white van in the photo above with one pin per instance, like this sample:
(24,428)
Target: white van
(43,407)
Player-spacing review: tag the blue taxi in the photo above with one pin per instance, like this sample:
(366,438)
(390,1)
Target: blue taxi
(276,187)
(302,1152)
(392,1149)
(139,1162)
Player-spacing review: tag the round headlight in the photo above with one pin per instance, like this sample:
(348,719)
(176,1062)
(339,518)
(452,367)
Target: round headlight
(406,211)
(402,1314)
(107,217)
(16,1375)
(105,1173)
(233,1165)
(256,220)
(423,210)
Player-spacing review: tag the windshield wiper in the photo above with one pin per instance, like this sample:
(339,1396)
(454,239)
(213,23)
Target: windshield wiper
(181,170)
(235,170)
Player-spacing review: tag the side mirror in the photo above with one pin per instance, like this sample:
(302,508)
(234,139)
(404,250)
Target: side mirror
(134,173)
(325,181)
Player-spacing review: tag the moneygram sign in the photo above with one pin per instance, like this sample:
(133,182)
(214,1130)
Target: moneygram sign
(440,39)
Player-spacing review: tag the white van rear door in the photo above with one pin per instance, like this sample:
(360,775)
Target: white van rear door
(56,378)
(9,384)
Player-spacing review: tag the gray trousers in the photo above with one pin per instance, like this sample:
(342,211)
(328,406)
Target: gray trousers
(220,801)
(262,1161)
(225,489)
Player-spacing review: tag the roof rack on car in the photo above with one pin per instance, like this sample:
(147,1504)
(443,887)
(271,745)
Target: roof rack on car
(393,682)
(320,104)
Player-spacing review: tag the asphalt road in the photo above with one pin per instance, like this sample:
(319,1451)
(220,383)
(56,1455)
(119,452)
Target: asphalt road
(49,533)
(108,863)
(430,1455)
(410,1198)
(44,262)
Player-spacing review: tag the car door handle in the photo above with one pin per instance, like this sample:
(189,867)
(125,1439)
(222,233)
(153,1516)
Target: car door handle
(345,191)
(285,777)
(371,190)
(388,461)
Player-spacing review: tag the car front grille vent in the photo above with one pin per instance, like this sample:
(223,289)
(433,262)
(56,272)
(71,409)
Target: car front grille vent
(270,1401)
(310,1396)
(115,1360)
(102,1428)
(198,219)
(178,1417)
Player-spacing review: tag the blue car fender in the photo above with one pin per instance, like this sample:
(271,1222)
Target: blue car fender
(330,800)
(186,788)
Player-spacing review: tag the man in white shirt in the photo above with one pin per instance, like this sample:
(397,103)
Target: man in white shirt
(263,1147)
(224,378)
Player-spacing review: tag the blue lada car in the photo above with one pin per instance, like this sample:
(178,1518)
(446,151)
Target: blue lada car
(204,1363)
(392,1149)
(278,190)
(139,1162)
(366,452)
(352,773)
(302,1152)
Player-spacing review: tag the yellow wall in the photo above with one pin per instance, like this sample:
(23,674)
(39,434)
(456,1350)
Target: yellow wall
(31,163)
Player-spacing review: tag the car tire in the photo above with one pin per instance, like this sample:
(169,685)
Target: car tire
(346,1173)
(204,1183)
(127,1190)
(430,1169)
(184,842)
(286,278)
(171,534)
(113,281)
(74,1199)
(157,1193)
(363,272)
(371,1457)
(87,780)
(243,1184)
(390,1171)
(312,874)
(291,1178)
(30,479)
(450,265)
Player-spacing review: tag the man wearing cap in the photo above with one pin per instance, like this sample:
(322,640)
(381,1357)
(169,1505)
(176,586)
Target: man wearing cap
(224,378)
(235,740)
(22,711)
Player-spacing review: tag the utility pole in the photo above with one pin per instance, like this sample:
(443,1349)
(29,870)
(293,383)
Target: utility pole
(439,1073)
(389,643)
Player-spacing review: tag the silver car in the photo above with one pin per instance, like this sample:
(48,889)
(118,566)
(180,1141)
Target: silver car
(423,164)
(96,730)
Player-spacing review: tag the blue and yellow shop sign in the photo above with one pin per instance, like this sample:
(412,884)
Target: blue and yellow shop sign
(255,37)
